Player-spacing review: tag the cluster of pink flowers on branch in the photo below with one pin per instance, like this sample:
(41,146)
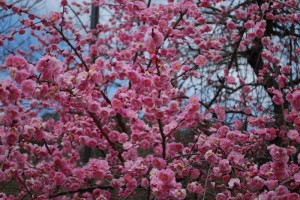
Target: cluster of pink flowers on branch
(176,100)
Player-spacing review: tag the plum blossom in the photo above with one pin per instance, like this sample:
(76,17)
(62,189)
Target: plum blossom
(296,100)
(159,163)
(59,178)
(166,176)
(16,61)
(49,66)
(179,193)
(143,93)
(200,60)
(231,25)
(293,134)
(257,183)
(28,87)
(12,138)
(297,178)
(249,24)
(195,187)
(278,153)
(234,182)
(99,168)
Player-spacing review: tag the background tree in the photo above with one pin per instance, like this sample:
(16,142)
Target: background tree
(188,99)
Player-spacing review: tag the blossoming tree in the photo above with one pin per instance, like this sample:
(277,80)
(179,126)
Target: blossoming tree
(177,100)
(9,22)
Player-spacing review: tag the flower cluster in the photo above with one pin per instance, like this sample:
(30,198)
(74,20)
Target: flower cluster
(157,100)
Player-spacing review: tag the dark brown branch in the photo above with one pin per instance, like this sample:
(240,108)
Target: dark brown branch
(81,190)
(81,23)
(112,145)
(163,138)
(73,48)
(217,93)
(234,54)
(28,191)
(149,3)
(47,147)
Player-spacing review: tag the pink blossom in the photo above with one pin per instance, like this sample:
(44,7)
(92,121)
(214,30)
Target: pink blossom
(148,101)
(257,183)
(64,2)
(224,166)
(278,97)
(19,75)
(265,41)
(286,69)
(195,187)
(279,170)
(221,196)
(135,103)
(185,68)
(116,103)
(28,87)
(104,112)
(278,153)
(234,182)
(225,144)
(167,176)
(200,60)
(297,121)
(79,173)
(144,144)
(157,37)
(296,100)
(291,150)
(195,173)
(113,135)
(271,195)
(146,82)
(282,80)
(174,148)
(12,138)
(236,158)
(293,134)
(94,107)
(220,112)
(211,157)
(123,137)
(99,168)
(266,170)
(281,190)
(176,65)
(48,66)
(230,79)
(59,178)
(293,196)
(249,24)
(97,192)
(179,194)
(144,182)
(17,61)
(271,184)
(297,178)
(159,163)
(127,145)
(74,186)
(231,25)
(259,32)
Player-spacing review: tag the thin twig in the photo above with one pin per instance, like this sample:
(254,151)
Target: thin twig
(206,180)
